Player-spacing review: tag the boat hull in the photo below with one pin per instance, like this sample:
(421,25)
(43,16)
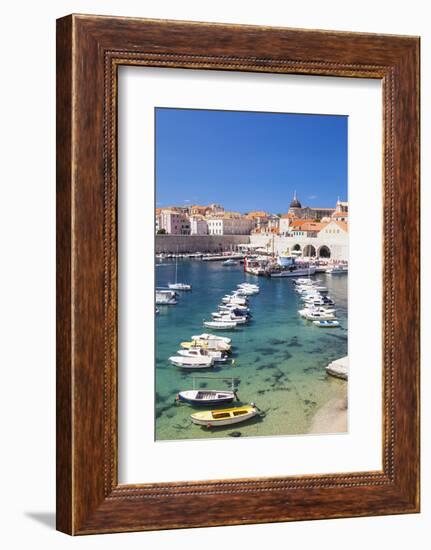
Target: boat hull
(185,397)
(214,423)
(294,273)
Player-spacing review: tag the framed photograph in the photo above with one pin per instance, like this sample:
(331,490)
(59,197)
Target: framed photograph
(237,289)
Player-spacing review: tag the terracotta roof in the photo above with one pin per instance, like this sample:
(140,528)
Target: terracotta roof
(343,226)
(338,213)
(307,225)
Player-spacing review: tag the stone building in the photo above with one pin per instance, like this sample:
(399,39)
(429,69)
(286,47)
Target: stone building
(308,212)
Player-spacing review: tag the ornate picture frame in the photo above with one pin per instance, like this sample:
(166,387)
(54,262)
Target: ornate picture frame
(89,51)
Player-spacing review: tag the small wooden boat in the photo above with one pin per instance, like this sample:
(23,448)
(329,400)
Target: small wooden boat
(220,325)
(206,344)
(207,336)
(326,324)
(206,397)
(218,356)
(224,417)
(201,362)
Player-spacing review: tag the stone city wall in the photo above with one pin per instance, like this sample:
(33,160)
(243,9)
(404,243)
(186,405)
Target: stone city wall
(199,243)
(338,245)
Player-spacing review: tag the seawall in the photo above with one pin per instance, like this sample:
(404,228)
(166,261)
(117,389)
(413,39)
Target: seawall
(199,243)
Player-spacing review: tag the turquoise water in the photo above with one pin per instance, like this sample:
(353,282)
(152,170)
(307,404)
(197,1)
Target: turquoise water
(279,357)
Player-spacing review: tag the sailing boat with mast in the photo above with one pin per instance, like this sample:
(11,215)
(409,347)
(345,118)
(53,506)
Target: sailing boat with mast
(177,285)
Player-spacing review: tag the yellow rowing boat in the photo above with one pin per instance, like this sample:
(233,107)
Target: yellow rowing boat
(224,417)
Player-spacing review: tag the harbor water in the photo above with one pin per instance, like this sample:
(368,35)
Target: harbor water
(279,357)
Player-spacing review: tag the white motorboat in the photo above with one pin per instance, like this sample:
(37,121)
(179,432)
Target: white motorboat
(229,262)
(217,356)
(220,325)
(302,281)
(237,300)
(199,362)
(166,297)
(303,289)
(232,307)
(239,319)
(314,316)
(319,301)
(252,286)
(179,286)
(336,270)
(316,310)
(207,336)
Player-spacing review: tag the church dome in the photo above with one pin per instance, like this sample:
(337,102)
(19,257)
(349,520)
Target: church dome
(295,202)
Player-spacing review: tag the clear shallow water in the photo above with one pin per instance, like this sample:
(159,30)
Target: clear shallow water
(279,357)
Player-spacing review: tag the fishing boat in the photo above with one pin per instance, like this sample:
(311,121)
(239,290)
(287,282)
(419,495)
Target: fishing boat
(206,397)
(229,262)
(220,325)
(206,344)
(200,362)
(224,417)
(326,323)
(217,356)
(166,297)
(206,336)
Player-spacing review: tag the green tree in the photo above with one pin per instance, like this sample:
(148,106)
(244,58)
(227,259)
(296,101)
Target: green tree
(161,232)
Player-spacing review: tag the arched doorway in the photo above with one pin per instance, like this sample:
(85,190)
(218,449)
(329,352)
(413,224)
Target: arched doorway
(324,252)
(309,251)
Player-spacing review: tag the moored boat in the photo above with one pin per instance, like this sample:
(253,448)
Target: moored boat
(326,323)
(207,336)
(206,344)
(206,397)
(224,417)
(166,297)
(217,356)
(199,362)
(220,325)
(179,286)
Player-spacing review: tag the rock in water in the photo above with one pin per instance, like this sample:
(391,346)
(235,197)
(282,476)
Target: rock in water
(235,434)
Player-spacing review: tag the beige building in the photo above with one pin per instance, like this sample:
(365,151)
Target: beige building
(230,226)
(198,225)
(174,222)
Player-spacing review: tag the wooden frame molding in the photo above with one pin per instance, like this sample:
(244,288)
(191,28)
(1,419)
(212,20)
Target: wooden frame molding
(89,51)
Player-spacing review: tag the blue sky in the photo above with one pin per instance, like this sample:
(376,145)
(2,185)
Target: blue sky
(249,160)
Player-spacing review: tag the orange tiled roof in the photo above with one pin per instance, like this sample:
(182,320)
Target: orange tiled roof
(340,214)
(343,225)
(307,225)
